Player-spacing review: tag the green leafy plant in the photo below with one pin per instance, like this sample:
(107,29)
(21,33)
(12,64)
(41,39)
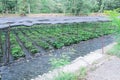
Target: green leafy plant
(79,75)
(66,76)
(15,48)
(57,36)
(82,73)
(115,17)
(58,62)
(115,50)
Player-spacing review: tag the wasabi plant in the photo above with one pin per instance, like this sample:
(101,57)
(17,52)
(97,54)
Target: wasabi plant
(57,36)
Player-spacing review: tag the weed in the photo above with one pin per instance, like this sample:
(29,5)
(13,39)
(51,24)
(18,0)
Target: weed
(115,50)
(80,75)
(66,76)
(116,21)
(58,62)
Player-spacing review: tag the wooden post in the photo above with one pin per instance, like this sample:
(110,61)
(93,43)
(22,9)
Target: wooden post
(102,41)
(0,41)
(8,44)
(1,47)
(7,47)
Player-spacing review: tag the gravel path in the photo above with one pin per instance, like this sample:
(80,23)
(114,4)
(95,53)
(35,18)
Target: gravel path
(27,69)
(110,70)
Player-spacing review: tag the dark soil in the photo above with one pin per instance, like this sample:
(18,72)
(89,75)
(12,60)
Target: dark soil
(27,69)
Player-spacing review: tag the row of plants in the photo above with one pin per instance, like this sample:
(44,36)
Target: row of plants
(37,38)
(69,34)
(55,36)
(16,50)
(27,43)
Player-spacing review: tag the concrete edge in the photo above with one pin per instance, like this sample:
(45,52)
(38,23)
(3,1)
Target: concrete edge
(77,63)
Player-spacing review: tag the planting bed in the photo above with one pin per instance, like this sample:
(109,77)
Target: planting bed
(27,41)
(28,69)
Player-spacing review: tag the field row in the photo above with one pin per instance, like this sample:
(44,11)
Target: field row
(39,38)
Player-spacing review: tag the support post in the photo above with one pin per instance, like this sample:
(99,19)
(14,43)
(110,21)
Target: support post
(1,47)
(1,52)
(102,41)
(8,44)
(7,47)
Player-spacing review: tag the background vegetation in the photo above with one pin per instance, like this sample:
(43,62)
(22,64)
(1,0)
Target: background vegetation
(116,22)
(74,7)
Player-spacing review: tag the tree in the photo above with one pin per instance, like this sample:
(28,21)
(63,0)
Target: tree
(8,6)
(80,6)
(112,4)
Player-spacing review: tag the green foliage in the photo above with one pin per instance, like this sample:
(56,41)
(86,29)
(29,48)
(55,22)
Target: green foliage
(112,4)
(58,45)
(115,50)
(77,7)
(117,10)
(116,21)
(27,43)
(80,75)
(114,16)
(15,48)
(74,7)
(58,62)
(66,76)
(7,6)
(56,36)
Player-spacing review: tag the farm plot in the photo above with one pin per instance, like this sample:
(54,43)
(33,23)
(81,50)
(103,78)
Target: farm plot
(27,41)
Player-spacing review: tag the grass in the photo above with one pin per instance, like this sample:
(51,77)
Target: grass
(55,36)
(113,15)
(58,62)
(80,75)
(66,76)
(115,50)
(62,61)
